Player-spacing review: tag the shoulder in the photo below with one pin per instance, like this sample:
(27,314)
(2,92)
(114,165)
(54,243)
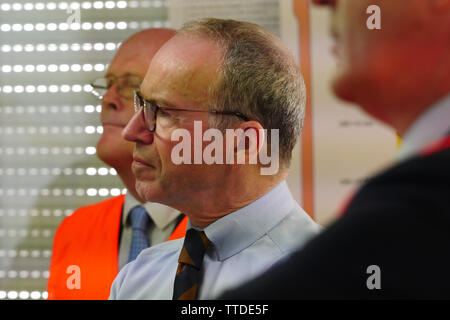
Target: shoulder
(406,206)
(149,273)
(294,230)
(105,204)
(161,251)
(423,169)
(438,158)
(397,221)
(86,214)
(421,184)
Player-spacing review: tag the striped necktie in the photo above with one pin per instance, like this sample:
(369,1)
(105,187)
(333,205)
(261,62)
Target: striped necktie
(189,265)
(139,237)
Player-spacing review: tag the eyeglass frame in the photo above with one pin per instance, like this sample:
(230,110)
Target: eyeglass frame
(152,104)
(115,81)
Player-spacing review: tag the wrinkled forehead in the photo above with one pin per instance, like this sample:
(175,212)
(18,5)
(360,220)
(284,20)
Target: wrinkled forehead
(185,67)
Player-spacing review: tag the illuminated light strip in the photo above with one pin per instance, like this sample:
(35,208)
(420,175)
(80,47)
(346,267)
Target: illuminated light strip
(30,68)
(53,88)
(51,130)
(45,151)
(33,213)
(34,295)
(110,25)
(91,171)
(32,253)
(35,233)
(56,192)
(23,273)
(63,47)
(11,110)
(42,130)
(85,5)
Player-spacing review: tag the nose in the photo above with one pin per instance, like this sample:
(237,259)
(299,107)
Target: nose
(111,99)
(136,131)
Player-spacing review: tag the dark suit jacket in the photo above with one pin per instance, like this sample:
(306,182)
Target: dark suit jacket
(399,221)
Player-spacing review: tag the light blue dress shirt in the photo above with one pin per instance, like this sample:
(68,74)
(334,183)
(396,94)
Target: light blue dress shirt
(244,244)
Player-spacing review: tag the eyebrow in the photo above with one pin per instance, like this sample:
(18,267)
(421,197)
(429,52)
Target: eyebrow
(159,102)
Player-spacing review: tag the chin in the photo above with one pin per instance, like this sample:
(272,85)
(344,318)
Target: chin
(343,86)
(149,191)
(115,153)
(355,87)
(363,93)
(107,157)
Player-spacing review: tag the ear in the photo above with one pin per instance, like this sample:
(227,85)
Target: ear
(250,141)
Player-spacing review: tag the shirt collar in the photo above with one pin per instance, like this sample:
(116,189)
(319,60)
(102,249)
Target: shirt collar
(239,229)
(429,127)
(161,215)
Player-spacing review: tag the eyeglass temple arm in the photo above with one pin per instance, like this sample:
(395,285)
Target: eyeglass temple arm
(211,111)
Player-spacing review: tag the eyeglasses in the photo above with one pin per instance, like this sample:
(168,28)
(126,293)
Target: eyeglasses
(151,109)
(126,85)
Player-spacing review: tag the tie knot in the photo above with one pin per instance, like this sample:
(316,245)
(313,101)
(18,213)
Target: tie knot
(194,248)
(139,218)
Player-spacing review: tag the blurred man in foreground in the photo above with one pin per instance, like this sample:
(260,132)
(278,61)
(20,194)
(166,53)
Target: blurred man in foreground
(392,241)
(215,77)
(96,241)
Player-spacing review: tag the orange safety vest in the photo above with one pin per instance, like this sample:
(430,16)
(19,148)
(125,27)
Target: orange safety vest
(85,255)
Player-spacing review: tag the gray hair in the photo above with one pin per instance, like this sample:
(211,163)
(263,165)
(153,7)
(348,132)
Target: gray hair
(258,77)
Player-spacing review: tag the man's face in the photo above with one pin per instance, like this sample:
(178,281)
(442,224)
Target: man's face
(371,62)
(179,76)
(130,62)
(117,110)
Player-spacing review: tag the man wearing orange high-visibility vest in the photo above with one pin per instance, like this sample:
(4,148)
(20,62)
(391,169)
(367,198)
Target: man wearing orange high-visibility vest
(96,241)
